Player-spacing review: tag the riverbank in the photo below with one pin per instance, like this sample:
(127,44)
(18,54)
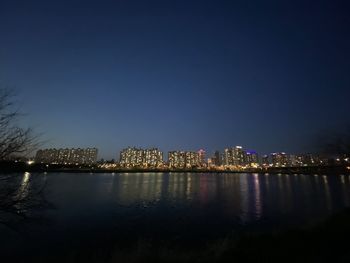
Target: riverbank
(9,167)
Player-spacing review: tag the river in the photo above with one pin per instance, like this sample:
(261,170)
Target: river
(188,207)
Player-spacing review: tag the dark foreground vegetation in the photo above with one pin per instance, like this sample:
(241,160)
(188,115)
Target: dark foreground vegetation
(326,242)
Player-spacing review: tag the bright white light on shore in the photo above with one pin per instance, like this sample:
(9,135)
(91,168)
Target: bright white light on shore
(30,162)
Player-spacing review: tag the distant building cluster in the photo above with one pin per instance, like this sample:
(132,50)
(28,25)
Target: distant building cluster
(186,159)
(282,159)
(137,157)
(67,156)
(237,156)
(153,158)
(232,158)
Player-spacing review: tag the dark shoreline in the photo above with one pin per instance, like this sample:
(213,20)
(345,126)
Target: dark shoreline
(325,241)
(12,167)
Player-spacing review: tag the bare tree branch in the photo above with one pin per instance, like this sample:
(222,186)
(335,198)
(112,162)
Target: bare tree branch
(20,194)
(14,140)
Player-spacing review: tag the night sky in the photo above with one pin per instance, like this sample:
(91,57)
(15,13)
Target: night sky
(178,74)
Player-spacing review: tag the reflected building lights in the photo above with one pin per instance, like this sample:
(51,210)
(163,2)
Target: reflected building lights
(247,196)
(267,183)
(26,178)
(203,189)
(342,179)
(258,206)
(244,193)
(23,189)
(289,192)
(327,192)
(345,190)
(281,193)
(188,187)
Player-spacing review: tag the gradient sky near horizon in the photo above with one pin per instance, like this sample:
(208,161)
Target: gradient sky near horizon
(267,75)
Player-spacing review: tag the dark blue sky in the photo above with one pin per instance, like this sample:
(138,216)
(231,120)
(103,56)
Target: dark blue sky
(267,75)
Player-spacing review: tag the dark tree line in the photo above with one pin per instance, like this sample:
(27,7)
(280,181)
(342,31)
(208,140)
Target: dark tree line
(334,143)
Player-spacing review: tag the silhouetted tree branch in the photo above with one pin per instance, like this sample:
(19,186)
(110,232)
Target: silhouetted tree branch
(14,140)
(20,194)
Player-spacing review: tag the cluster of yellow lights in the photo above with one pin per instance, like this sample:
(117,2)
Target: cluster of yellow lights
(108,165)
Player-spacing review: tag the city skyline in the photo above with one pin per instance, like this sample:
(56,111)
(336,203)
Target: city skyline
(236,157)
(178,74)
(206,153)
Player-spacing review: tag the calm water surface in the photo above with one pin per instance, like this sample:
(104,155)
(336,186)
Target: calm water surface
(178,206)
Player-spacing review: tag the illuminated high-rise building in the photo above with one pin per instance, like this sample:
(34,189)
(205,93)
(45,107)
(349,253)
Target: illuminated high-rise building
(251,158)
(153,157)
(265,160)
(67,156)
(294,160)
(217,160)
(47,156)
(307,160)
(137,157)
(228,156)
(131,157)
(183,159)
(193,159)
(177,159)
(279,159)
(234,156)
(239,156)
(201,156)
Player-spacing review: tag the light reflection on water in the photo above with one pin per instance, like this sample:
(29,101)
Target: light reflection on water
(234,198)
(249,197)
(24,187)
(327,193)
(179,204)
(258,206)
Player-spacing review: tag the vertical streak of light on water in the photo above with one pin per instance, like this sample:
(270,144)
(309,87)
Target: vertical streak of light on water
(244,192)
(24,187)
(188,187)
(345,188)
(327,192)
(257,193)
(281,193)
